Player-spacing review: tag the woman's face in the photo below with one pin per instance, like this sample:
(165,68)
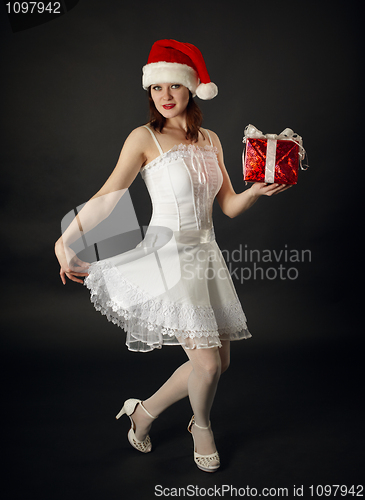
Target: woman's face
(170,99)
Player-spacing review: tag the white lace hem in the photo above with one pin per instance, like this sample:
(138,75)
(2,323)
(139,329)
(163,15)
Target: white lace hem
(150,323)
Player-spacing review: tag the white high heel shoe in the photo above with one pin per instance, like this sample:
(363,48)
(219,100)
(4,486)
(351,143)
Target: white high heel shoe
(207,463)
(129,407)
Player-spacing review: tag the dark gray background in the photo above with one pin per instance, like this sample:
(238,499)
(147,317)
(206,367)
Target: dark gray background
(71,93)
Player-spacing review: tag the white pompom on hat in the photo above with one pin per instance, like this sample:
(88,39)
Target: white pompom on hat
(178,62)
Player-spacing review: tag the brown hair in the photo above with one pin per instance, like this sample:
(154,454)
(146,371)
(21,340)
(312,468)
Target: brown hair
(194,118)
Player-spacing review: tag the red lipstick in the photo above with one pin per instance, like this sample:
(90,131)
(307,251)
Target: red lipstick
(168,106)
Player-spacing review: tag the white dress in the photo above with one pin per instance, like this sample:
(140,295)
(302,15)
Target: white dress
(174,287)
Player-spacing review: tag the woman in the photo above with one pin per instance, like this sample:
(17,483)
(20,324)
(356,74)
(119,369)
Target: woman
(174,287)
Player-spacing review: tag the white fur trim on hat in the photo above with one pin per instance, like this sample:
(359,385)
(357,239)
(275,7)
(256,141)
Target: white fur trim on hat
(170,72)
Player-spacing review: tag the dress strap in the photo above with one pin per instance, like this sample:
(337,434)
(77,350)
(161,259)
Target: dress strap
(210,139)
(154,138)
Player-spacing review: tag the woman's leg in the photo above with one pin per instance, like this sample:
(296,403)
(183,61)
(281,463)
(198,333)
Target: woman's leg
(202,386)
(174,389)
(225,355)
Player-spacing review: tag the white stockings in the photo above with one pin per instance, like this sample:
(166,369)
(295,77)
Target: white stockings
(197,378)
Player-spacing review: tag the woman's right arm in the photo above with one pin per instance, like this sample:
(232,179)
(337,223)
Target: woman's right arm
(131,159)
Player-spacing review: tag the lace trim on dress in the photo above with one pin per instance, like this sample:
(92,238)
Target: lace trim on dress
(151,323)
(175,153)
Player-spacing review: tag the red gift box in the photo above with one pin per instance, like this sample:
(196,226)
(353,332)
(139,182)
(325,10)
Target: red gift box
(272,158)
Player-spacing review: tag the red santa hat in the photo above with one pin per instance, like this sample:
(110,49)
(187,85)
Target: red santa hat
(178,62)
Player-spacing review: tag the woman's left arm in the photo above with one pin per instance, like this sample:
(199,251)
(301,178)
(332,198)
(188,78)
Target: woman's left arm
(231,203)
